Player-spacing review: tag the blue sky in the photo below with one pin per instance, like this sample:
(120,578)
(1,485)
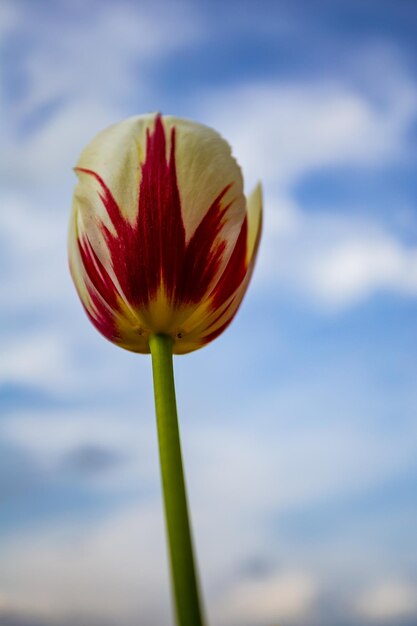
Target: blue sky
(299,423)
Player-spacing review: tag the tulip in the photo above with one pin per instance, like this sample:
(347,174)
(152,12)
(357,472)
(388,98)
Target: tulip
(162,246)
(162,239)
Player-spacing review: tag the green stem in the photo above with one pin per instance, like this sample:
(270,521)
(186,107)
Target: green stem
(183,571)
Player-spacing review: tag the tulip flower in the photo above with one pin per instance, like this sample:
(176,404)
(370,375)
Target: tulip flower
(162,246)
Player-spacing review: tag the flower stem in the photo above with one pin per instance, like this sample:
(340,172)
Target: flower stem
(183,570)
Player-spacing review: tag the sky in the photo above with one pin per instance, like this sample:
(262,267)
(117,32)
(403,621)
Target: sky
(299,423)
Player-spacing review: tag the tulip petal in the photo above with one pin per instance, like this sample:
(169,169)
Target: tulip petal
(254,221)
(115,154)
(205,168)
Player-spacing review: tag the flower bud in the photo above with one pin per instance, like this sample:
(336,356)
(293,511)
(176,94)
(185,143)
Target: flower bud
(162,238)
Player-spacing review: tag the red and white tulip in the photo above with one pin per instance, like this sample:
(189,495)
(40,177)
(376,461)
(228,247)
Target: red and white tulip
(162,238)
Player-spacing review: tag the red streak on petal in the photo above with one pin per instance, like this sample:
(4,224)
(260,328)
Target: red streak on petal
(97,273)
(102,292)
(109,202)
(160,232)
(202,258)
(123,252)
(103,320)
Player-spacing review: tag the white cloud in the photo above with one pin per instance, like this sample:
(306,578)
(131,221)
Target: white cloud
(319,458)
(349,271)
(388,602)
(47,156)
(34,359)
(283,131)
(336,261)
(102,54)
(33,247)
(102,60)
(25,228)
(113,571)
(286,596)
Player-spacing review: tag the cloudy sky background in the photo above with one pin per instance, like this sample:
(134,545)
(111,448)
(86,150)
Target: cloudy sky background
(299,423)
